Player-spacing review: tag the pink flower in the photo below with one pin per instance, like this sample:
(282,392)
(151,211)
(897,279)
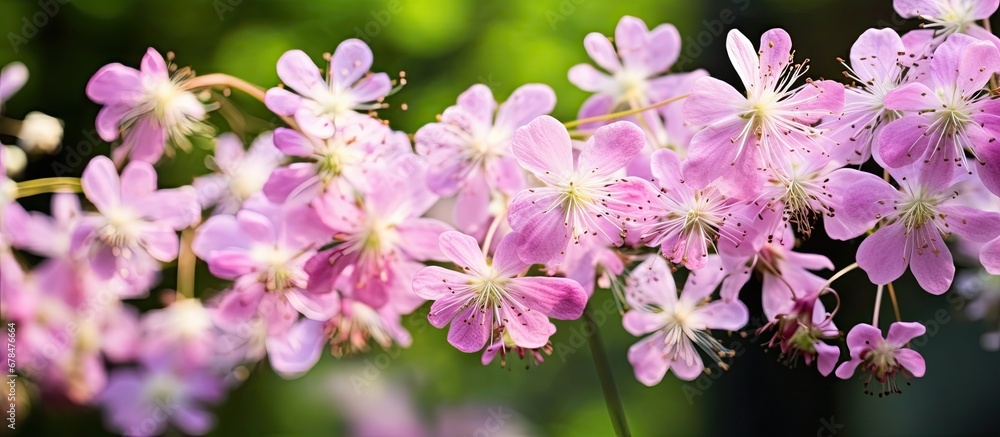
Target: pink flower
(487,296)
(322,103)
(876,68)
(956,115)
(357,324)
(642,55)
(13,76)
(677,322)
(947,17)
(883,359)
(800,322)
(136,222)
(182,334)
(778,265)
(358,148)
(469,150)
(264,249)
(744,135)
(583,197)
(686,222)
(141,402)
(913,223)
(380,240)
(239,173)
(147,107)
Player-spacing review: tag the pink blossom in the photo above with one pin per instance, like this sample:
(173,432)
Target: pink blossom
(238,173)
(883,359)
(135,224)
(583,197)
(143,402)
(913,224)
(954,115)
(322,103)
(264,249)
(380,240)
(488,296)
(800,322)
(13,76)
(745,135)
(642,56)
(182,334)
(357,324)
(876,68)
(469,150)
(686,222)
(677,321)
(947,17)
(148,108)
(778,265)
(357,149)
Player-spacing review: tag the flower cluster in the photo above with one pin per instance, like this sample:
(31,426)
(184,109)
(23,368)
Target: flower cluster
(331,230)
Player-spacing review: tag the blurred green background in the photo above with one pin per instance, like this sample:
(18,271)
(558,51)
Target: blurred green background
(444,46)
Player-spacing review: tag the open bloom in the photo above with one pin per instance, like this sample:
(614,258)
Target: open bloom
(379,241)
(148,107)
(883,359)
(633,69)
(142,402)
(357,325)
(359,147)
(800,322)
(952,116)
(264,248)
(686,222)
(913,224)
(745,135)
(469,151)
(678,321)
(947,17)
(239,173)
(135,221)
(582,197)
(320,104)
(487,296)
(876,68)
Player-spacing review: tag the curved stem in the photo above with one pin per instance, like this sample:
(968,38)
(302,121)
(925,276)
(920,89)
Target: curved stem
(614,115)
(185,265)
(837,276)
(611,397)
(47,185)
(492,232)
(226,81)
(878,305)
(895,304)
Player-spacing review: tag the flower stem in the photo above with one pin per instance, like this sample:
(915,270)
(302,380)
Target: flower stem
(611,397)
(47,185)
(614,115)
(895,304)
(491,232)
(185,265)
(226,81)
(878,305)
(837,276)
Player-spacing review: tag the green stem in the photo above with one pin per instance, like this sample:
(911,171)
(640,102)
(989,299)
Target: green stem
(611,397)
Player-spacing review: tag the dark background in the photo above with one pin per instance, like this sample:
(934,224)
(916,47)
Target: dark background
(445,46)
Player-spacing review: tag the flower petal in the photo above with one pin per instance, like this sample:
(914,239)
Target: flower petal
(647,359)
(543,146)
(559,298)
(883,254)
(933,266)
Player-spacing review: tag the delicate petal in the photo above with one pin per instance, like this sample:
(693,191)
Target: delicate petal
(559,298)
(544,146)
(882,255)
(911,361)
(647,360)
(470,329)
(901,333)
(101,184)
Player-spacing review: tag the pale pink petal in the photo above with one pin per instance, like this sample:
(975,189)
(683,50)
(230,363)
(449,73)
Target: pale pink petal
(351,60)
(611,147)
(647,359)
(113,85)
(470,329)
(882,255)
(298,349)
(827,357)
(544,146)
(319,126)
(145,140)
(712,100)
(292,143)
(282,101)
(542,234)
(664,48)
(138,182)
(744,58)
(847,368)
(160,242)
(913,96)
(932,266)
(990,256)
(682,368)
(639,322)
(433,283)
(901,333)
(464,251)
(472,205)
(101,184)
(525,104)
(559,298)
(301,74)
(154,65)
(875,53)
(863,337)
(632,42)
(285,181)
(528,329)
(372,87)
(911,361)
(730,316)
(506,259)
(715,152)
(108,119)
(904,141)
(421,236)
(775,53)
(972,224)
(601,51)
